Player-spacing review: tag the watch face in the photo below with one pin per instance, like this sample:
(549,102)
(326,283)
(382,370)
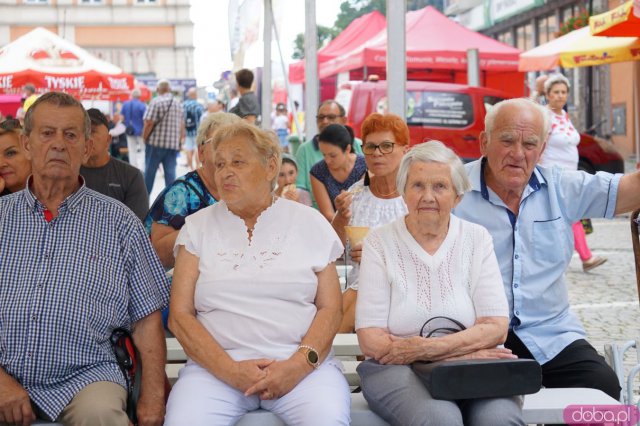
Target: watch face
(313,357)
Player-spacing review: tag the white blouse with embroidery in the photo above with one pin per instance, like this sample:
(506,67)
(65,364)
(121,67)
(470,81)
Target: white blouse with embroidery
(402,286)
(257,298)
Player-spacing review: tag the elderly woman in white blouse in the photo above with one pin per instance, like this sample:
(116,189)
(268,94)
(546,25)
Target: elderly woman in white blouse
(423,265)
(255,300)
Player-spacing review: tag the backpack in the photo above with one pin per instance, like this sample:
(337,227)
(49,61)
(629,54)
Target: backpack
(191,120)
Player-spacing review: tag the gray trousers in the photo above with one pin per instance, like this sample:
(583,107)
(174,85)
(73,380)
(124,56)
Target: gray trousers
(397,395)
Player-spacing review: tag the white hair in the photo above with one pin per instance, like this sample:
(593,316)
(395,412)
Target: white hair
(522,103)
(556,79)
(434,152)
(211,122)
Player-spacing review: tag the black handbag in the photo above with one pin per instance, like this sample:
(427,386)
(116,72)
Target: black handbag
(474,378)
(479,378)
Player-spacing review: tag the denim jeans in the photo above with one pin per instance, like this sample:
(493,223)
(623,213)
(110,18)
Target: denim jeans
(153,156)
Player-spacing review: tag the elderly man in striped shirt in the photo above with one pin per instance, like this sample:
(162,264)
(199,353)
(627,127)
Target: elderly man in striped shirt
(74,265)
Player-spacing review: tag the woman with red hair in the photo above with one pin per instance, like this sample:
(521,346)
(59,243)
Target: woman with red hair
(373,201)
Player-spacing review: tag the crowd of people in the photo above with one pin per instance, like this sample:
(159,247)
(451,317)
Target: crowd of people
(253,295)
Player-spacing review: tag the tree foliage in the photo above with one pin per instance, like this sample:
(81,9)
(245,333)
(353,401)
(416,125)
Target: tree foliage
(351,10)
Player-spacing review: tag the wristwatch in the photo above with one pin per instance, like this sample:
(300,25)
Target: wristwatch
(313,359)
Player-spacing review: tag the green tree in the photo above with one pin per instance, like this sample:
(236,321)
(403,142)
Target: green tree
(351,10)
(325,34)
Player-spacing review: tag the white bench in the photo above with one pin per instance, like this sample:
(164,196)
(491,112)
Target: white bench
(546,406)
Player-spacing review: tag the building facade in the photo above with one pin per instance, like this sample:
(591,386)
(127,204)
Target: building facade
(602,96)
(146,38)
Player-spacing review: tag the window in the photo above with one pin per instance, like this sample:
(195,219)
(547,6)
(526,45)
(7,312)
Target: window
(147,1)
(439,109)
(506,37)
(547,28)
(37,1)
(92,1)
(490,101)
(524,37)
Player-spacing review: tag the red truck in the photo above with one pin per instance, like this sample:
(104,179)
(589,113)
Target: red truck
(454,114)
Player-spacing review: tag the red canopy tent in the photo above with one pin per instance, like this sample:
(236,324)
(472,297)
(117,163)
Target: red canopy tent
(50,62)
(357,33)
(436,51)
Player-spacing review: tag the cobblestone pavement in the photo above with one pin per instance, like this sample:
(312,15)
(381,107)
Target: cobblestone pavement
(606,299)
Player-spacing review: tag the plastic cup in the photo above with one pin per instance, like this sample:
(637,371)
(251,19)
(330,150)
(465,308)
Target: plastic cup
(355,234)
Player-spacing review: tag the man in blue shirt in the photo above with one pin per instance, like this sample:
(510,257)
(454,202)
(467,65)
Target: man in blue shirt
(529,211)
(74,266)
(133,113)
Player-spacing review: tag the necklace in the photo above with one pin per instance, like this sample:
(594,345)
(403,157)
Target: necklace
(381,195)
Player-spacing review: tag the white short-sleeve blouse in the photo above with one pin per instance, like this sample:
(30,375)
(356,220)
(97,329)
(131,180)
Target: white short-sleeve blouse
(257,298)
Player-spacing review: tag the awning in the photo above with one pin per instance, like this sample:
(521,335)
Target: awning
(434,42)
(50,62)
(619,22)
(356,33)
(580,49)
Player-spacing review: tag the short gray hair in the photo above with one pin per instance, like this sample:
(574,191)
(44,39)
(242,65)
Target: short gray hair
(58,99)
(211,122)
(135,93)
(265,143)
(556,79)
(163,85)
(493,112)
(434,152)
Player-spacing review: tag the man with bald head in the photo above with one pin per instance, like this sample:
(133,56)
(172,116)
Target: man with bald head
(74,266)
(538,95)
(529,210)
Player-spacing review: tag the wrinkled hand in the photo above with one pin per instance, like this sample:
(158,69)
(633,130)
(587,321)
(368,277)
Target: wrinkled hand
(150,409)
(246,374)
(15,407)
(281,377)
(342,202)
(496,353)
(356,252)
(404,350)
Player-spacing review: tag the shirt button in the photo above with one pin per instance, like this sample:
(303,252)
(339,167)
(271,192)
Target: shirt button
(33,317)
(28,354)
(517,312)
(515,285)
(517,257)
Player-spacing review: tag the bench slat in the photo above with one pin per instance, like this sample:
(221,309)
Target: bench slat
(343,345)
